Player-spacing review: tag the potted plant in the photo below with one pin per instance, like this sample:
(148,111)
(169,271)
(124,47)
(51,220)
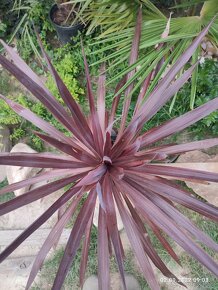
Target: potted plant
(65,19)
(120,170)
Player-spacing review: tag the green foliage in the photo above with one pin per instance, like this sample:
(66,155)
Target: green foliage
(117,21)
(7,196)
(7,19)
(30,12)
(66,66)
(3,28)
(207,89)
(7,116)
(21,128)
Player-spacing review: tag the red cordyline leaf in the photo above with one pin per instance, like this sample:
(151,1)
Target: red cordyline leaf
(113,164)
(132,60)
(75,238)
(85,251)
(103,252)
(80,124)
(51,239)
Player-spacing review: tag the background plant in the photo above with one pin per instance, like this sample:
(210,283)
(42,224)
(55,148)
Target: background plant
(29,13)
(117,18)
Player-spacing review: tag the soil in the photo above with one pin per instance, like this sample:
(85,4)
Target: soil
(63,16)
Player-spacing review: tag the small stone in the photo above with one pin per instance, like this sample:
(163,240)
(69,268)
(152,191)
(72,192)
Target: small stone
(193,156)
(201,161)
(24,216)
(18,173)
(91,283)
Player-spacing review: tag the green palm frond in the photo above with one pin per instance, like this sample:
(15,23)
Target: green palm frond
(117,19)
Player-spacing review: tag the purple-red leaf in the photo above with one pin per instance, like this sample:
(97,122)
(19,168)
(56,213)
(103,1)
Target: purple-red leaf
(103,252)
(171,171)
(40,221)
(178,124)
(36,194)
(51,239)
(40,123)
(51,174)
(39,160)
(85,251)
(112,225)
(136,243)
(83,131)
(39,92)
(74,239)
(132,60)
(101,92)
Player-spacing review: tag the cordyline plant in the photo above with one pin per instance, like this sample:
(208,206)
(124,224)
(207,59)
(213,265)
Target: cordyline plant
(120,170)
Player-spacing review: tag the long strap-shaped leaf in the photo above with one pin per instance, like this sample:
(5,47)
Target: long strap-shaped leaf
(66,148)
(178,124)
(19,62)
(85,251)
(112,225)
(74,239)
(38,160)
(40,123)
(36,194)
(48,175)
(40,221)
(83,131)
(101,91)
(51,239)
(196,145)
(149,191)
(96,128)
(136,243)
(144,205)
(38,91)
(103,254)
(186,173)
(132,60)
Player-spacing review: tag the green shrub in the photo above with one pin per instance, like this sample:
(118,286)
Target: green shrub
(65,64)
(23,129)
(29,12)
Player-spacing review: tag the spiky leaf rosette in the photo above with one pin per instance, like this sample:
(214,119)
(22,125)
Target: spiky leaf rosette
(119,171)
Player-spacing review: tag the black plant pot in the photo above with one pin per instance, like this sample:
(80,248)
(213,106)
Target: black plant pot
(65,33)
